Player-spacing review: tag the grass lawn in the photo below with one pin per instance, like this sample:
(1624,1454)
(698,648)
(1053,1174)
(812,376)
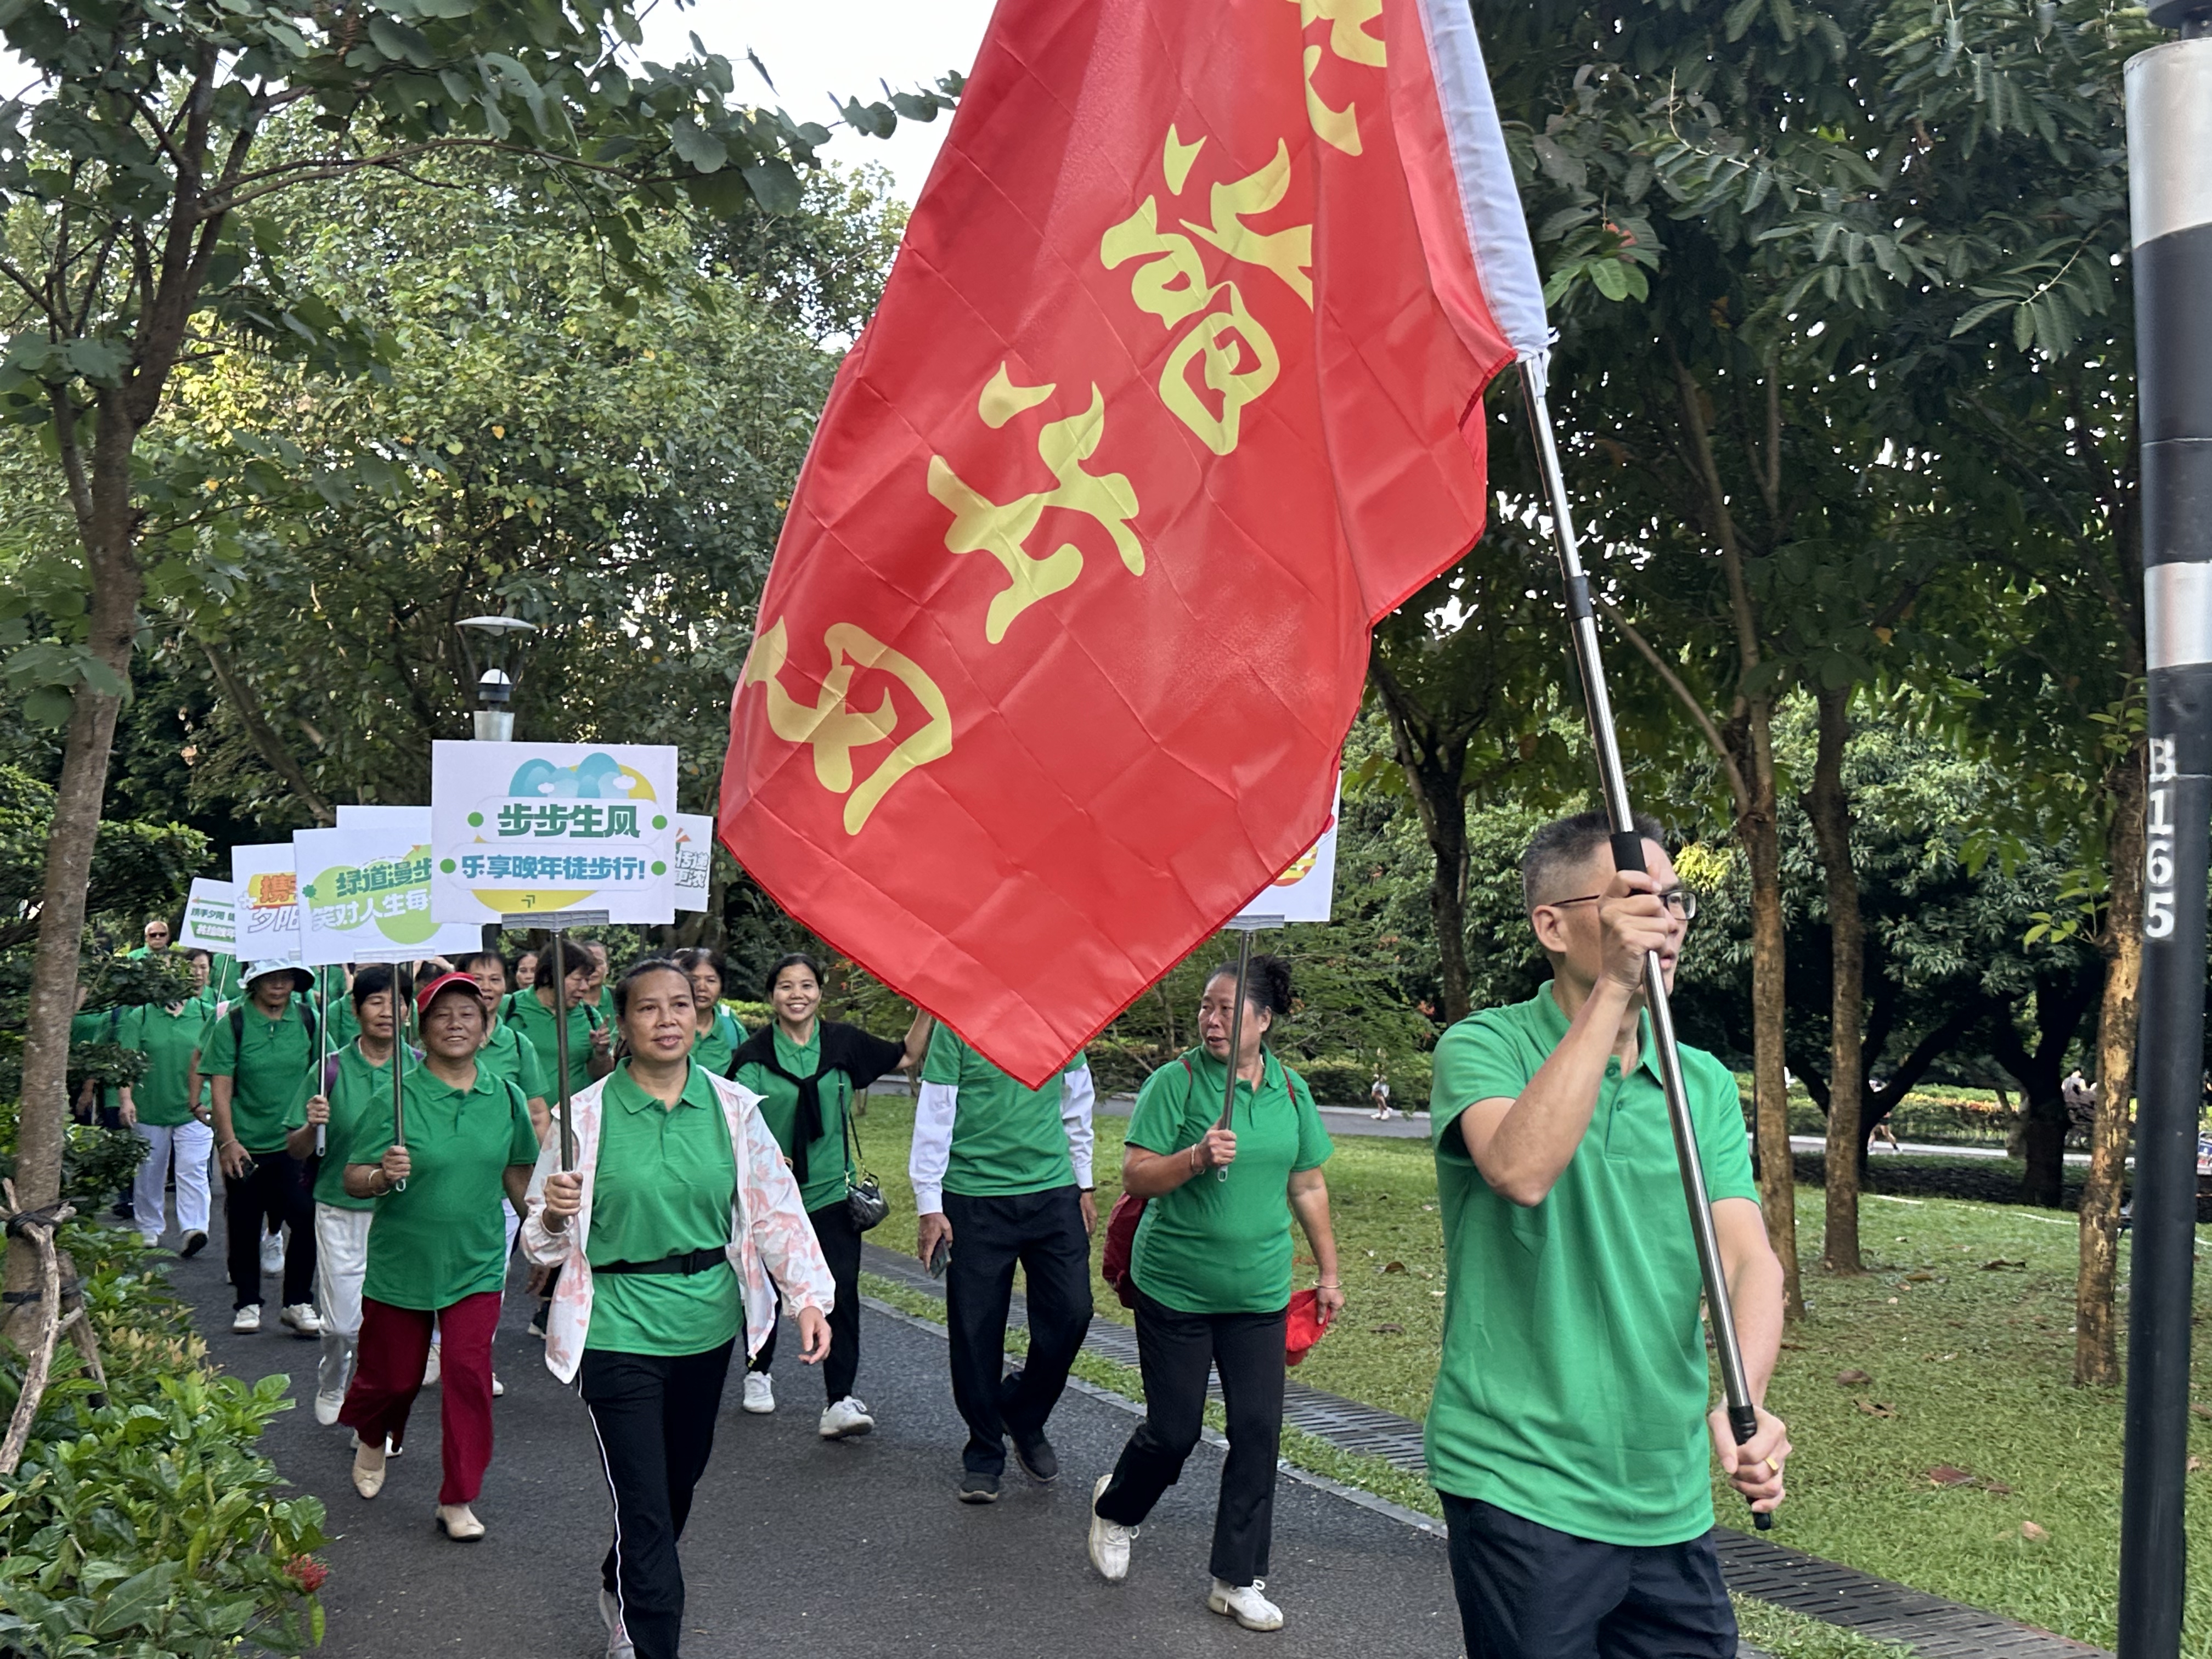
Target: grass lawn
(1962,1329)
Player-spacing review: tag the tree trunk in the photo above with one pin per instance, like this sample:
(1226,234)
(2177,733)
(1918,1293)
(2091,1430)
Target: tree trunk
(2096,1334)
(1433,757)
(1827,807)
(2043,1143)
(1759,831)
(41,1129)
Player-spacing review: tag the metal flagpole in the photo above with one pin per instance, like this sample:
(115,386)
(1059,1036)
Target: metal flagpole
(1628,854)
(1236,1036)
(2169,103)
(561,1049)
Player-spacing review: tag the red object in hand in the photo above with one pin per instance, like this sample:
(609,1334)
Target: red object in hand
(1304,1327)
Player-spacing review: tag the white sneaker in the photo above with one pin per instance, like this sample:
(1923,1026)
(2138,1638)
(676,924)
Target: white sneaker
(759,1393)
(432,1368)
(845,1420)
(272,1253)
(246,1320)
(498,1387)
(1109,1540)
(327,1407)
(302,1318)
(618,1642)
(1245,1603)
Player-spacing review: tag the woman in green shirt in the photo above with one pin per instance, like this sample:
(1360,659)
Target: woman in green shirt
(1213,1267)
(807,1070)
(677,1210)
(532,1015)
(719,1034)
(437,1248)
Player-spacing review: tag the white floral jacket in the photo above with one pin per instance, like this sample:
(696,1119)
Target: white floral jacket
(769,1233)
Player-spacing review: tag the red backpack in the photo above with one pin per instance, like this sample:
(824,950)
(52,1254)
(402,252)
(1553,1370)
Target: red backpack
(1122,1237)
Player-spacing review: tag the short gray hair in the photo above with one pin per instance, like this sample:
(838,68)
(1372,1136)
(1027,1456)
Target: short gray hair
(1563,846)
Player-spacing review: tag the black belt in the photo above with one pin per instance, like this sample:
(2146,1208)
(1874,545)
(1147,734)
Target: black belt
(689,1262)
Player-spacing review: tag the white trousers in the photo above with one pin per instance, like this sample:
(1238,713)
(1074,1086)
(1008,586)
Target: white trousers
(340,1264)
(191,1143)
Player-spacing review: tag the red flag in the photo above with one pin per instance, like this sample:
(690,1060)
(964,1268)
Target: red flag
(1174,389)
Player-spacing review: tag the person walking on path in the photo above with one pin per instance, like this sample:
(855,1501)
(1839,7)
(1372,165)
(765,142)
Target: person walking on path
(1568,1435)
(437,1252)
(1002,1175)
(807,1070)
(678,1210)
(1213,1265)
(261,1059)
(1379,1095)
(355,1098)
(156,936)
(720,1035)
(531,1014)
(170,1119)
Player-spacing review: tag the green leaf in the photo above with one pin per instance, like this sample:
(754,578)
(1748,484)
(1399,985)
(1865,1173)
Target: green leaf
(698,147)
(1611,277)
(48,706)
(138,1601)
(776,185)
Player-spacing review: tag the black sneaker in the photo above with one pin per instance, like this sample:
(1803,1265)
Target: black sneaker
(976,1488)
(194,1242)
(1038,1460)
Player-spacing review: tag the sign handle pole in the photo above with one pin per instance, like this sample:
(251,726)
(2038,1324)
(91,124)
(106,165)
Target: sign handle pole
(1628,854)
(402,994)
(323,1058)
(1236,1038)
(561,1049)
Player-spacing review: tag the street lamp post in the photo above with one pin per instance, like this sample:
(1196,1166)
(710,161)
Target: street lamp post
(494,720)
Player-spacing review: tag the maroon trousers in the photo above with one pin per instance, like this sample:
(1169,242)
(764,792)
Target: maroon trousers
(395,1347)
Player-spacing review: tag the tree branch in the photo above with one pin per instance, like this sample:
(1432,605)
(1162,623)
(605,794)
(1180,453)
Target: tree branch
(265,740)
(1686,697)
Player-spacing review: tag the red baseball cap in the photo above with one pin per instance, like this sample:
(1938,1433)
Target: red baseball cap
(438,987)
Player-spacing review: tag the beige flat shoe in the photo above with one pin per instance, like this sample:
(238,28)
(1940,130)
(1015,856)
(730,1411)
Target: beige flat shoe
(367,1468)
(458,1523)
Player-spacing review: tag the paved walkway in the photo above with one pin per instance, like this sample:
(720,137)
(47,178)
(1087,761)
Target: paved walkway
(801,1548)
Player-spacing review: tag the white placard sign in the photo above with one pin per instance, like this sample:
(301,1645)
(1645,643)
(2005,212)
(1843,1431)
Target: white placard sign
(521,827)
(365,892)
(265,897)
(695,860)
(1304,892)
(373,817)
(211,917)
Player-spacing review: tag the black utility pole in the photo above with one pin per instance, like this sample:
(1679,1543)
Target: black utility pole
(2170,203)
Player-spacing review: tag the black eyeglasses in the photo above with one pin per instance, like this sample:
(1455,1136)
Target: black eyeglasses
(1683,901)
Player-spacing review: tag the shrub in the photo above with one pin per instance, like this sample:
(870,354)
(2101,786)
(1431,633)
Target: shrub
(147,1524)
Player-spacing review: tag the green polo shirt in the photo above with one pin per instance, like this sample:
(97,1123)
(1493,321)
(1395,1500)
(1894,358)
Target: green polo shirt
(826,1158)
(1215,1245)
(664,1184)
(360,1104)
(532,1019)
(168,1038)
(1008,1139)
(445,1236)
(507,1053)
(1573,1388)
(716,1046)
(273,1072)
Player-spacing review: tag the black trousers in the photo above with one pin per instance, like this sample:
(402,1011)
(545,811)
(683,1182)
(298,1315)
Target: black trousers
(840,1248)
(275,1192)
(1043,1232)
(1527,1591)
(655,1418)
(1175,1351)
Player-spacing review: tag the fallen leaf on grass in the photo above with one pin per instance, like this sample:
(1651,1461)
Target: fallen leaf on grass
(2202,1411)
(2031,1532)
(1394,1266)
(2192,1466)
(1996,1486)
(1992,1267)
(1387,1330)
(1851,1379)
(1875,1407)
(1794,1347)
(1949,1475)
(1920,1279)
